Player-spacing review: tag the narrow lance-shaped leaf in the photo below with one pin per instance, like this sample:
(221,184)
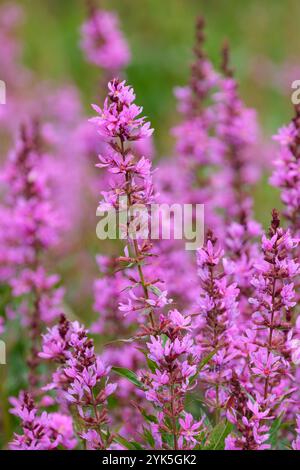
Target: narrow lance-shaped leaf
(129,375)
(218,436)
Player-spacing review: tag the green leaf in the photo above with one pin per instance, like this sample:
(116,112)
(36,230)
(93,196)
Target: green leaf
(121,340)
(146,311)
(149,438)
(137,445)
(152,366)
(164,339)
(129,375)
(202,364)
(274,430)
(149,418)
(130,287)
(130,445)
(218,436)
(155,290)
(206,359)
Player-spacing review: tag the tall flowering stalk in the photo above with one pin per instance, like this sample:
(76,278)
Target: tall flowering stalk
(286,177)
(236,128)
(174,364)
(109,291)
(262,386)
(118,124)
(286,173)
(187,177)
(218,314)
(104,45)
(272,378)
(81,380)
(249,420)
(31,227)
(103,42)
(196,143)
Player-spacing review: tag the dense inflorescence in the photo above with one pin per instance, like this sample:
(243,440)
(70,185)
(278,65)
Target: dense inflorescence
(81,379)
(103,42)
(45,431)
(286,174)
(216,323)
(30,227)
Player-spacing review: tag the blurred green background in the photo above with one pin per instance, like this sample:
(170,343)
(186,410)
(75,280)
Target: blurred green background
(264,38)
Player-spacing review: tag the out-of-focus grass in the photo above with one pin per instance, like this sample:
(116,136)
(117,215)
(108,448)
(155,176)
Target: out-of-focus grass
(161,36)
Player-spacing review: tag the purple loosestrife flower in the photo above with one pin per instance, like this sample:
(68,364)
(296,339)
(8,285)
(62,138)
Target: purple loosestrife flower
(189,181)
(32,228)
(28,198)
(119,117)
(203,78)
(286,173)
(45,431)
(174,359)
(118,124)
(249,420)
(218,313)
(196,144)
(236,128)
(103,42)
(81,378)
(109,291)
(286,178)
(272,375)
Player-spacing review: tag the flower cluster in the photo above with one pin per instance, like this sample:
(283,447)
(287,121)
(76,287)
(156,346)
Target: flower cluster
(173,357)
(30,227)
(103,42)
(197,145)
(119,124)
(45,431)
(216,323)
(81,379)
(28,200)
(286,174)
(273,314)
(109,292)
(236,128)
(249,420)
